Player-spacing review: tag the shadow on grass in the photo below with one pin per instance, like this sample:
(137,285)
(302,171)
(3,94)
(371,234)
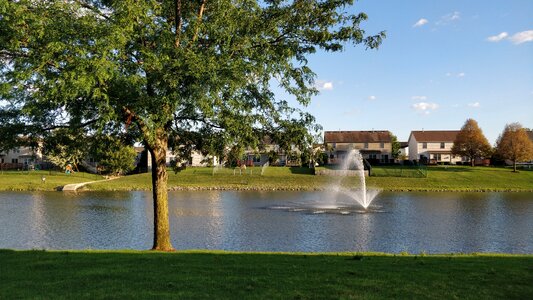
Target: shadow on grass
(301,170)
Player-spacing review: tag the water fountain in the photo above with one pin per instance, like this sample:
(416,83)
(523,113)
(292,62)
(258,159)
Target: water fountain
(363,196)
(217,168)
(265,165)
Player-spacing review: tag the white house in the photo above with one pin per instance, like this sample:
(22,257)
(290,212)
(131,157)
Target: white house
(20,157)
(433,146)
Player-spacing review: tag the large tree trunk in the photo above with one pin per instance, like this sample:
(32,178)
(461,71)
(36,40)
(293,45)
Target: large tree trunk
(514,165)
(472,161)
(160,194)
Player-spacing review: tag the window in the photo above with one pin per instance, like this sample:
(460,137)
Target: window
(372,156)
(437,157)
(366,145)
(442,145)
(382,145)
(424,145)
(334,145)
(14,161)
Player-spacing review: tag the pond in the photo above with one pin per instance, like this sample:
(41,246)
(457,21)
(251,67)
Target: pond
(271,221)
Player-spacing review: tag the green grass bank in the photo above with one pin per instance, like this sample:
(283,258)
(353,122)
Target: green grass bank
(437,178)
(223,275)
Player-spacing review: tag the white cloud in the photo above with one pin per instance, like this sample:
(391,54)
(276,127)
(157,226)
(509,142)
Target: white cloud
(498,37)
(425,107)
(448,74)
(522,37)
(421,22)
(462,74)
(322,85)
(419,98)
(474,104)
(372,98)
(449,18)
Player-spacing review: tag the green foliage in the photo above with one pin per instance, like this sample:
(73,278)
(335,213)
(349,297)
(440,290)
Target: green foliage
(113,155)
(63,147)
(395,147)
(164,69)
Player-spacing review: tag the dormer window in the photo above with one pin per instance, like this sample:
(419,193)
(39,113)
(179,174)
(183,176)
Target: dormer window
(442,145)
(366,145)
(424,145)
(382,145)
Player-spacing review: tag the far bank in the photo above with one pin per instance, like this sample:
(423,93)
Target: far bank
(436,178)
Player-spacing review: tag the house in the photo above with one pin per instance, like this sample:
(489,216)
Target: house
(20,158)
(433,146)
(375,146)
(197,159)
(269,152)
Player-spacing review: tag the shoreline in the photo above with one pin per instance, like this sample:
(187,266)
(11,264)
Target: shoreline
(274,189)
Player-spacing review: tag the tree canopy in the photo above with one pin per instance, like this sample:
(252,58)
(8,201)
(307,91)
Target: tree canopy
(165,68)
(514,144)
(471,142)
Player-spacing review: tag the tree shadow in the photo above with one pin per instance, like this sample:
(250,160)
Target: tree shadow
(301,170)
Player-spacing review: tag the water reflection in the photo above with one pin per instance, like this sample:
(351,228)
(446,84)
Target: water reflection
(271,221)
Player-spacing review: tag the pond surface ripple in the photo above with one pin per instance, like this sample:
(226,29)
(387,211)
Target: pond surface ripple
(272,221)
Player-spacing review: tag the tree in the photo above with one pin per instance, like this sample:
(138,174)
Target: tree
(63,147)
(470,142)
(395,147)
(514,144)
(164,67)
(113,154)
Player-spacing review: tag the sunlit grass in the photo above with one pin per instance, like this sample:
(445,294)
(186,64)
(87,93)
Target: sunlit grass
(41,180)
(439,178)
(220,275)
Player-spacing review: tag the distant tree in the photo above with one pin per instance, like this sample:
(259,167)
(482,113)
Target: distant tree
(395,147)
(470,142)
(514,144)
(63,146)
(113,154)
(166,67)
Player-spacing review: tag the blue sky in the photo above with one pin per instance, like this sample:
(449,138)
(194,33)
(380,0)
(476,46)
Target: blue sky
(441,63)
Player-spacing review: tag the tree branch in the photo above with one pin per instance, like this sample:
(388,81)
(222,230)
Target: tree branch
(200,15)
(69,126)
(178,22)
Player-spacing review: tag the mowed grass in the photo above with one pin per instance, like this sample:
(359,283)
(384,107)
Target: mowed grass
(439,178)
(32,180)
(222,275)
(459,178)
(282,178)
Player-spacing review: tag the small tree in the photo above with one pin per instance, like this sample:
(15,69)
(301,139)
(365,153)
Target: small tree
(112,154)
(64,147)
(395,152)
(471,142)
(514,144)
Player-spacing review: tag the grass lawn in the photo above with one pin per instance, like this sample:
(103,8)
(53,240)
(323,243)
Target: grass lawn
(32,180)
(439,178)
(222,275)
(460,178)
